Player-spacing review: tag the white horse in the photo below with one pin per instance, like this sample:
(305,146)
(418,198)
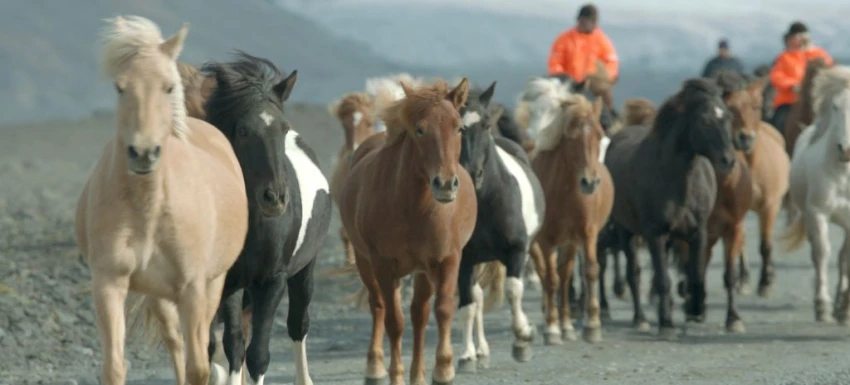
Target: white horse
(820,188)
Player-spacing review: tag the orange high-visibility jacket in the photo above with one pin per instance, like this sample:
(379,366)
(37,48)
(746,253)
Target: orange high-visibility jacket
(789,71)
(575,54)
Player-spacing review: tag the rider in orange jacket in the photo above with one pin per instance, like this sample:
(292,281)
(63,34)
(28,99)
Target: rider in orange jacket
(790,68)
(575,51)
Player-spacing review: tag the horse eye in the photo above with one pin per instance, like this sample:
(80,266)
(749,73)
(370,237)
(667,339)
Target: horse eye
(420,131)
(118,89)
(169,89)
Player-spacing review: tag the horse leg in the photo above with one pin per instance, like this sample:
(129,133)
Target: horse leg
(744,274)
(347,246)
(375,370)
(817,227)
(733,243)
(566,272)
(593,325)
(544,258)
(661,281)
(841,312)
(233,337)
(524,332)
(166,315)
(197,305)
(619,281)
(467,309)
(531,275)
(633,278)
(444,306)
(602,256)
(767,217)
(394,323)
(420,311)
(539,260)
(300,288)
(109,294)
(695,277)
(482,349)
(577,302)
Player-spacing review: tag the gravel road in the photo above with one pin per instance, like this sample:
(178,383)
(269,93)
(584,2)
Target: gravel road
(47,332)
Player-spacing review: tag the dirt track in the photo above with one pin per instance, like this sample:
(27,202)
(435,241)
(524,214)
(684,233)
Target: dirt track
(47,332)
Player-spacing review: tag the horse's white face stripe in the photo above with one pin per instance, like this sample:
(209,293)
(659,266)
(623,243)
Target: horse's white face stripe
(470,118)
(718,112)
(267,118)
(310,182)
(357,117)
(603,147)
(529,209)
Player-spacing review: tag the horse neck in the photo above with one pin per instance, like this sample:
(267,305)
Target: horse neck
(494,172)
(673,160)
(807,112)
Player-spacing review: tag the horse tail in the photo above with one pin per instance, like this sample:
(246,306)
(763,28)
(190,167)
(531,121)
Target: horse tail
(795,233)
(492,276)
(144,320)
(358,299)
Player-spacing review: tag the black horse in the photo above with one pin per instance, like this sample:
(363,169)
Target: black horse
(510,211)
(668,171)
(289,212)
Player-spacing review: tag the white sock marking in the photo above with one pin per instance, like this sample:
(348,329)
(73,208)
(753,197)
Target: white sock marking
(467,318)
(235,377)
(218,374)
(302,372)
(514,290)
(470,118)
(478,325)
(310,182)
(529,209)
(603,148)
(267,118)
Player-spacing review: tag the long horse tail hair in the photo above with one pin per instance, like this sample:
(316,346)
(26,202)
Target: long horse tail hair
(492,276)
(358,299)
(144,320)
(795,233)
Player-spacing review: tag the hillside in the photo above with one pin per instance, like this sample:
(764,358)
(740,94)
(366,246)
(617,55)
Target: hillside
(48,50)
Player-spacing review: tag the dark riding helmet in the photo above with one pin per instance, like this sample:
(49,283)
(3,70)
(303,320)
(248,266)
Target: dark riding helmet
(797,27)
(588,11)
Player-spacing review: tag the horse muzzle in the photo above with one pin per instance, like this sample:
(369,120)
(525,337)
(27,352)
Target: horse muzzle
(272,202)
(589,185)
(143,161)
(445,191)
(745,142)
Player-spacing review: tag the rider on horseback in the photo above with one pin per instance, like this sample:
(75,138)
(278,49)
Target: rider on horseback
(576,51)
(790,68)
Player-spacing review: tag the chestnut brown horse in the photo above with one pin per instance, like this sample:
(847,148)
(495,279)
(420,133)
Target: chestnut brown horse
(409,207)
(579,195)
(355,112)
(802,111)
(764,150)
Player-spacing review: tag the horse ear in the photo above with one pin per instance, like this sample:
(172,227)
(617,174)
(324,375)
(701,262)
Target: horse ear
(487,95)
(459,94)
(597,108)
(174,45)
(404,87)
(284,88)
(495,115)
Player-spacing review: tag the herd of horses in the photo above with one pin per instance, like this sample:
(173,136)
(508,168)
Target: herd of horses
(207,206)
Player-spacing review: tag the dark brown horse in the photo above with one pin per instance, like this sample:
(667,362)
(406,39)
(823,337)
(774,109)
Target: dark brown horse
(802,112)
(575,183)
(409,207)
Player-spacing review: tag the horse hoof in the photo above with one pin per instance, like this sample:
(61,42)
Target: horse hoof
(529,336)
(824,317)
(620,290)
(745,289)
(521,352)
(695,318)
(218,375)
(592,335)
(375,381)
(552,339)
(569,334)
(467,365)
(605,314)
(764,291)
(667,333)
(736,326)
(641,326)
(653,300)
(435,382)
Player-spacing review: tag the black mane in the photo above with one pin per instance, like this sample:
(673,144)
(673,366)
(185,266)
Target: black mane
(243,84)
(730,82)
(673,115)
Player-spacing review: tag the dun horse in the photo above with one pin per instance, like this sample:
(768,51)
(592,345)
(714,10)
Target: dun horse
(668,171)
(289,210)
(355,112)
(802,112)
(413,168)
(820,188)
(141,223)
(511,206)
(577,184)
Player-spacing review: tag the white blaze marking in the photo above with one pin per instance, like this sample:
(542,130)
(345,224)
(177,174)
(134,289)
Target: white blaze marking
(603,148)
(357,117)
(310,182)
(529,211)
(718,111)
(267,118)
(470,118)
(302,372)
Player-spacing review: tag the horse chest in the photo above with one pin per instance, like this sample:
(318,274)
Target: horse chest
(312,185)
(526,197)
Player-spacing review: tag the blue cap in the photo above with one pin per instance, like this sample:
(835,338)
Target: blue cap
(724,44)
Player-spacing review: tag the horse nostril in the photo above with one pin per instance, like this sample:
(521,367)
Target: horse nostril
(455,182)
(156,150)
(132,152)
(270,195)
(436,183)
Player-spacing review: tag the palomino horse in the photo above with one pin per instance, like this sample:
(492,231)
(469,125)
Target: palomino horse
(141,222)
(574,182)
(669,172)
(763,148)
(802,112)
(356,114)
(413,168)
(512,207)
(289,209)
(820,188)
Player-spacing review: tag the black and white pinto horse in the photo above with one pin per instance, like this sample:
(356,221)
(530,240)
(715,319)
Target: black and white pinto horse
(511,207)
(289,215)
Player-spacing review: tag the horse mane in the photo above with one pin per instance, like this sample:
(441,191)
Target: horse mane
(351,103)
(638,111)
(398,115)
(386,90)
(539,86)
(694,92)
(243,84)
(828,84)
(730,82)
(575,106)
(189,75)
(125,38)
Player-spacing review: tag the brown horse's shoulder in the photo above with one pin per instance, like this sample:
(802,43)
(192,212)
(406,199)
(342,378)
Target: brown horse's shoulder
(369,145)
